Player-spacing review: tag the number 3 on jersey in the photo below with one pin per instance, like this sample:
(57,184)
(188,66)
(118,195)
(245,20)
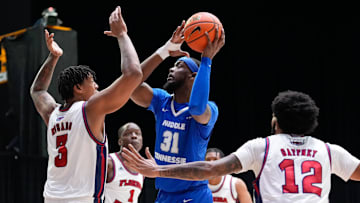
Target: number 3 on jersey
(61,159)
(170,140)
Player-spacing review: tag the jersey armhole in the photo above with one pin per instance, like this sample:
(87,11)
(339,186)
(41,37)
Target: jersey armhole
(114,169)
(256,183)
(329,152)
(88,128)
(234,196)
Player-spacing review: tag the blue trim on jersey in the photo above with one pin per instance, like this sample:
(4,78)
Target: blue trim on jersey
(256,194)
(329,152)
(100,174)
(179,137)
(256,182)
(88,128)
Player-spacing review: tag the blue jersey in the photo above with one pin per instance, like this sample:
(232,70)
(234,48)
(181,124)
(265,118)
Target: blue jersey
(179,138)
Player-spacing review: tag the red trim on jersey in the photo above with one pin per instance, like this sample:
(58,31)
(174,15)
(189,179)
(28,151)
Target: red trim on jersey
(328,149)
(62,109)
(223,181)
(102,175)
(88,128)
(267,144)
(231,192)
(114,170)
(133,173)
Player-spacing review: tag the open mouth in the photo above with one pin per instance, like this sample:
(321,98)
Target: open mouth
(170,77)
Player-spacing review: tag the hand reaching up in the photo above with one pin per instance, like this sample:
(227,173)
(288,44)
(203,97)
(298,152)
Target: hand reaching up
(117,24)
(53,47)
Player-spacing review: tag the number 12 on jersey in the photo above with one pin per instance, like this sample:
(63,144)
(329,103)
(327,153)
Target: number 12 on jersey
(170,140)
(288,166)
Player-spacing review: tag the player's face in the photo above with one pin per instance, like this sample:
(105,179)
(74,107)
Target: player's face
(212,156)
(132,135)
(177,76)
(89,87)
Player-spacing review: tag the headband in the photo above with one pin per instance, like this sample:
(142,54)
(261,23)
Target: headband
(190,63)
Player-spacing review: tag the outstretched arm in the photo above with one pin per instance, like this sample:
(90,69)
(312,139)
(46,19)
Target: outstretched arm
(43,101)
(142,96)
(118,93)
(199,97)
(200,170)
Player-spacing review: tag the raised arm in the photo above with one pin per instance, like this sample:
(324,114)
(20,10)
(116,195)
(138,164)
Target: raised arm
(199,97)
(142,95)
(118,93)
(44,102)
(199,170)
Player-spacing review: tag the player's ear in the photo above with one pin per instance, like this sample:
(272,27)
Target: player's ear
(77,88)
(193,74)
(273,124)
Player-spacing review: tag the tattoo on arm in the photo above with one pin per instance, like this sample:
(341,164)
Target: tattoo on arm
(43,78)
(43,101)
(202,170)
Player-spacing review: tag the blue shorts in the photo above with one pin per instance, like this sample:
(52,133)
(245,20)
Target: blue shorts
(199,194)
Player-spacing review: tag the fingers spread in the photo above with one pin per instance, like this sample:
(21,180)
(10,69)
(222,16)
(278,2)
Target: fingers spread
(148,154)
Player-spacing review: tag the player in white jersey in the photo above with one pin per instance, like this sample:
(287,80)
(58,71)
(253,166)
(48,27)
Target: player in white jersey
(289,165)
(226,188)
(123,184)
(77,144)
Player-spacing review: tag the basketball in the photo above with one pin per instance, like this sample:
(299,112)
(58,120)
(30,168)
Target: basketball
(195,28)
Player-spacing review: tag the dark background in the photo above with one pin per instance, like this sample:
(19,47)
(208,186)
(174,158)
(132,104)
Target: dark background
(269,48)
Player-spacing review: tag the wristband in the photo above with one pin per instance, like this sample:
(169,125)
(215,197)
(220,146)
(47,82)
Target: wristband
(163,51)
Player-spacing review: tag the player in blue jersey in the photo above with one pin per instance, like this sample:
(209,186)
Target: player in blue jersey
(184,115)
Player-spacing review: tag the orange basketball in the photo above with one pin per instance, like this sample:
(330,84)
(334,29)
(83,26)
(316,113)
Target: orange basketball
(195,28)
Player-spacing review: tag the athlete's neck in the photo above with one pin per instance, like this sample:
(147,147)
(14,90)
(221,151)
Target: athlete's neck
(68,103)
(215,181)
(181,96)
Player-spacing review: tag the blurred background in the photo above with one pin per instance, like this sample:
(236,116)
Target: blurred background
(307,47)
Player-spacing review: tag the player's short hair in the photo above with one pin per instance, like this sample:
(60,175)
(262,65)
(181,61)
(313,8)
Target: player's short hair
(221,153)
(70,76)
(124,127)
(296,112)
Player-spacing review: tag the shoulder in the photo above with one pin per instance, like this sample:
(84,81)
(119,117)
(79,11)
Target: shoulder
(239,183)
(110,160)
(213,106)
(160,92)
(257,144)
(336,149)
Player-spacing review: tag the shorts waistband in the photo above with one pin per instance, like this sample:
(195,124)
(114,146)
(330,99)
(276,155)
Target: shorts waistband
(191,188)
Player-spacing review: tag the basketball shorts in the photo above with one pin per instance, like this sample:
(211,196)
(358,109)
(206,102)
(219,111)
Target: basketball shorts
(200,194)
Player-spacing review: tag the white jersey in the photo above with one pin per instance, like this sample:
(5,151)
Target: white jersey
(294,169)
(125,186)
(225,191)
(77,160)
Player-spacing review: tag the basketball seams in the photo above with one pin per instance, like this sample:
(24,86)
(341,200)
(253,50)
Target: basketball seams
(214,23)
(189,42)
(198,43)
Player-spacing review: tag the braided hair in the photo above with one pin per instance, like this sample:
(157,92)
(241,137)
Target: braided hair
(70,76)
